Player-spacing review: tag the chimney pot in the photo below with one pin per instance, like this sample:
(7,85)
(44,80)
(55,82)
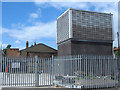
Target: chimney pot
(34,43)
(27,43)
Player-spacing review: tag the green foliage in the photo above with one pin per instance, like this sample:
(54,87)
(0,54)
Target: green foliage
(4,50)
(8,46)
(116,53)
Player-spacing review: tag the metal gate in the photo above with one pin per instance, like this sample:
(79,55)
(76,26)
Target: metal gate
(26,71)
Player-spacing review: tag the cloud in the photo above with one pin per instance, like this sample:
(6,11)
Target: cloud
(37,31)
(107,7)
(17,41)
(75,1)
(34,15)
(4,45)
(60,5)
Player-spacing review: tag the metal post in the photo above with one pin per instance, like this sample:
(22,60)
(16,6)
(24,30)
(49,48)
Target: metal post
(52,68)
(118,58)
(36,72)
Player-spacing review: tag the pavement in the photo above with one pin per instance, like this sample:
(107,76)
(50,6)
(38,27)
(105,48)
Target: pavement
(51,88)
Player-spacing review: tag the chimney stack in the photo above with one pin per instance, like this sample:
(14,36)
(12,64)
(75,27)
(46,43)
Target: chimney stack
(27,43)
(34,43)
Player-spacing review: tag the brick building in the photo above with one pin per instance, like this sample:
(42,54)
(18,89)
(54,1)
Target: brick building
(40,50)
(84,32)
(12,52)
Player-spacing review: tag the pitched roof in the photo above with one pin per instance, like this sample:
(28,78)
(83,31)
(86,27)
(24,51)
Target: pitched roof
(40,48)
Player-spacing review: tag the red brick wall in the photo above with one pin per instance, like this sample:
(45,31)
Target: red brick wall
(12,52)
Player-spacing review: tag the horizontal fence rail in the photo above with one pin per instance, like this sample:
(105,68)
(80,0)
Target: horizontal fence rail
(83,71)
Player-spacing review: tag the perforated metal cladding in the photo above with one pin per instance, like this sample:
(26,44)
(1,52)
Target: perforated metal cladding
(91,25)
(63,28)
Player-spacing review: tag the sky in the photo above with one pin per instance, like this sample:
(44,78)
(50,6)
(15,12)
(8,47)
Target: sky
(36,21)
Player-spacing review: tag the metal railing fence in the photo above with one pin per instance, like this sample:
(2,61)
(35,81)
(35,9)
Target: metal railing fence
(86,71)
(79,71)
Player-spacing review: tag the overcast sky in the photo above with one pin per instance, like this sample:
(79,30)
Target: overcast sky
(36,21)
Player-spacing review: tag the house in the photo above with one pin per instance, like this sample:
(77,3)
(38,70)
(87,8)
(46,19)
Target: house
(40,50)
(12,52)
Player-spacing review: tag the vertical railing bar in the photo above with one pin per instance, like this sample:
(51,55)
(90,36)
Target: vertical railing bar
(6,70)
(80,68)
(99,71)
(75,65)
(15,72)
(9,70)
(17,69)
(86,70)
(108,70)
(90,71)
(21,69)
(31,70)
(117,71)
(27,65)
(29,60)
(1,59)
(114,72)
(40,71)
(34,72)
(44,71)
(25,73)
(52,68)
(96,70)
(27,70)
(3,70)
(48,72)
(32,76)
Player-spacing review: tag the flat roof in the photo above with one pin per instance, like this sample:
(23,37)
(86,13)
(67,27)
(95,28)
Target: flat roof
(82,10)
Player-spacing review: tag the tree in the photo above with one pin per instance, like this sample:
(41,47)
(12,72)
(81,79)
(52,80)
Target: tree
(8,46)
(4,50)
(116,53)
